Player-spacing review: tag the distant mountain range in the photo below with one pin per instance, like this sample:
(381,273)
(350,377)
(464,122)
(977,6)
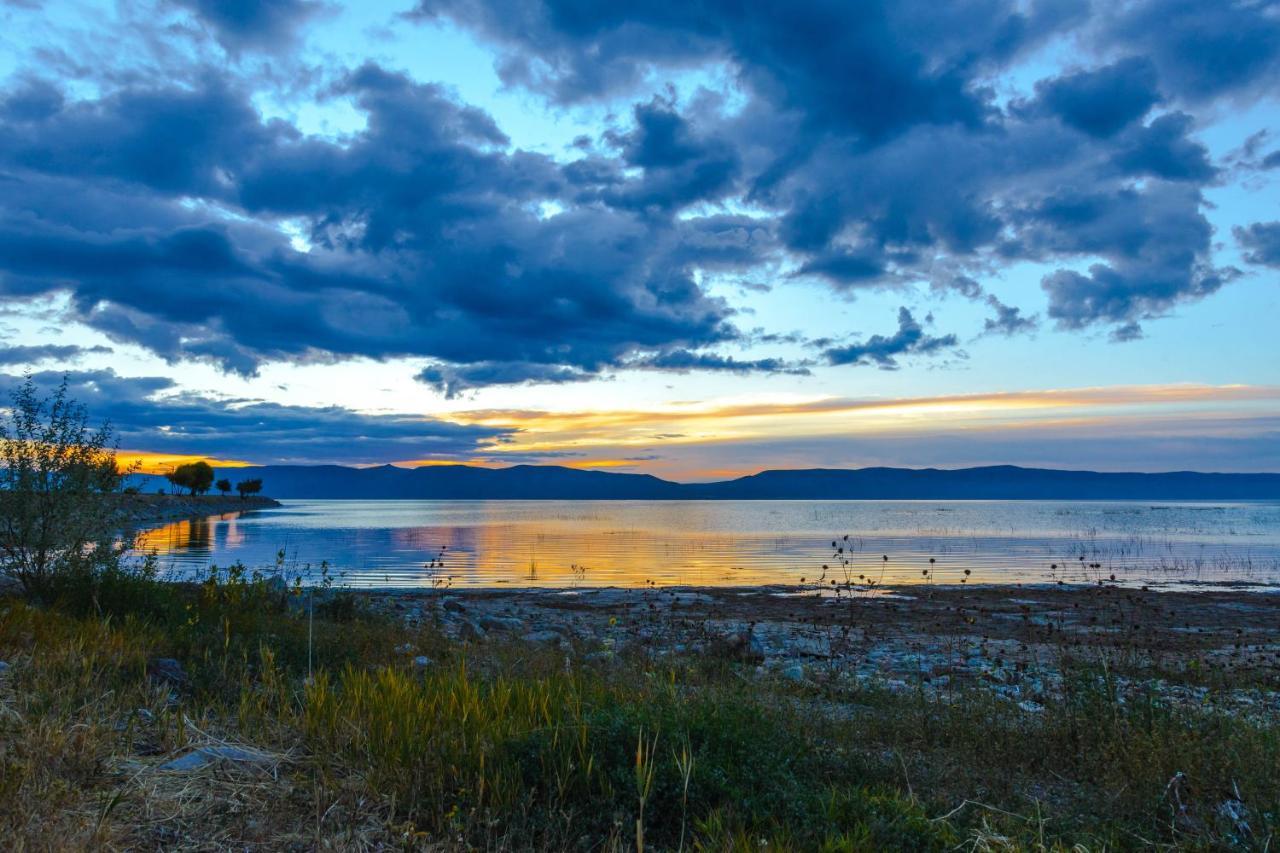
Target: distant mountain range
(550,482)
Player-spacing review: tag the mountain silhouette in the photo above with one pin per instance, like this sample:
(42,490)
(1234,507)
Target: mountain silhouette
(552,482)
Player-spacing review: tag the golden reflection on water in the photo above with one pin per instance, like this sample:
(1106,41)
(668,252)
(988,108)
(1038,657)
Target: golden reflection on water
(567,544)
(193,536)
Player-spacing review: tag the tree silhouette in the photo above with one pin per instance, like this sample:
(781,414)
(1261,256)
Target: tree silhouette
(196,476)
(248,487)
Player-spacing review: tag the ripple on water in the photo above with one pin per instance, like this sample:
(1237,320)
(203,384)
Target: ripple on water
(737,543)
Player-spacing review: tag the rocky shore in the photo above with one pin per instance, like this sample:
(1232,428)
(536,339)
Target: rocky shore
(133,511)
(938,639)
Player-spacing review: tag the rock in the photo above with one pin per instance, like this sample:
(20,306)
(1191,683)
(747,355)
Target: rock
(454,606)
(814,647)
(404,648)
(609,597)
(207,755)
(794,672)
(689,599)
(500,623)
(167,671)
(4,667)
(1031,707)
(422,661)
(544,636)
(743,645)
(469,630)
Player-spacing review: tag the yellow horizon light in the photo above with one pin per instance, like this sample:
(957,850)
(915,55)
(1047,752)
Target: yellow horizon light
(162,463)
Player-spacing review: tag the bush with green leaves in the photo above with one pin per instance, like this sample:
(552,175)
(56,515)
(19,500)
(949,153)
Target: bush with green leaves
(56,473)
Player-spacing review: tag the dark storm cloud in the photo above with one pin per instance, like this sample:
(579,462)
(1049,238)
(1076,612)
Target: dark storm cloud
(1201,49)
(257,24)
(1261,242)
(684,361)
(883,351)
(866,140)
(1156,241)
(146,414)
(34,354)
(886,148)
(1162,149)
(454,380)
(1102,101)
(866,68)
(426,236)
(679,166)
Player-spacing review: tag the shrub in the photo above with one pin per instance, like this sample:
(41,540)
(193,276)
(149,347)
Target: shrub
(55,474)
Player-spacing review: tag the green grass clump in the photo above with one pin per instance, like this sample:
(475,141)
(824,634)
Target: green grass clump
(512,746)
(562,757)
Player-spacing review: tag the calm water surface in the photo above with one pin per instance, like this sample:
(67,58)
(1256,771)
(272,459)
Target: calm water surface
(599,543)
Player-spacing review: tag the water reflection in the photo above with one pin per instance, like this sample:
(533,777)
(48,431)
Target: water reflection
(562,544)
(191,539)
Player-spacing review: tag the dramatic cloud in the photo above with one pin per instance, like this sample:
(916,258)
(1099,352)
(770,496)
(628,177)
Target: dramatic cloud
(146,413)
(1261,242)
(683,361)
(423,231)
(879,146)
(262,24)
(878,181)
(452,382)
(1201,49)
(1008,320)
(1105,100)
(910,339)
(25,355)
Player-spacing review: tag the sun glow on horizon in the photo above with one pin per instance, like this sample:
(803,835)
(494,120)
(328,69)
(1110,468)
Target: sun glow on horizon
(645,439)
(148,462)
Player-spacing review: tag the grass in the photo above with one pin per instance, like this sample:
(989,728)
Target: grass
(507,746)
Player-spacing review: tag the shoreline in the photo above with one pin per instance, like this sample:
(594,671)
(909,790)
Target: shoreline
(139,511)
(936,639)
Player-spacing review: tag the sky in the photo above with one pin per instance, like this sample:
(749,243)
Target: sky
(695,239)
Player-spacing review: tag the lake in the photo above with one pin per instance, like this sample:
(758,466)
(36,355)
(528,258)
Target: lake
(632,543)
